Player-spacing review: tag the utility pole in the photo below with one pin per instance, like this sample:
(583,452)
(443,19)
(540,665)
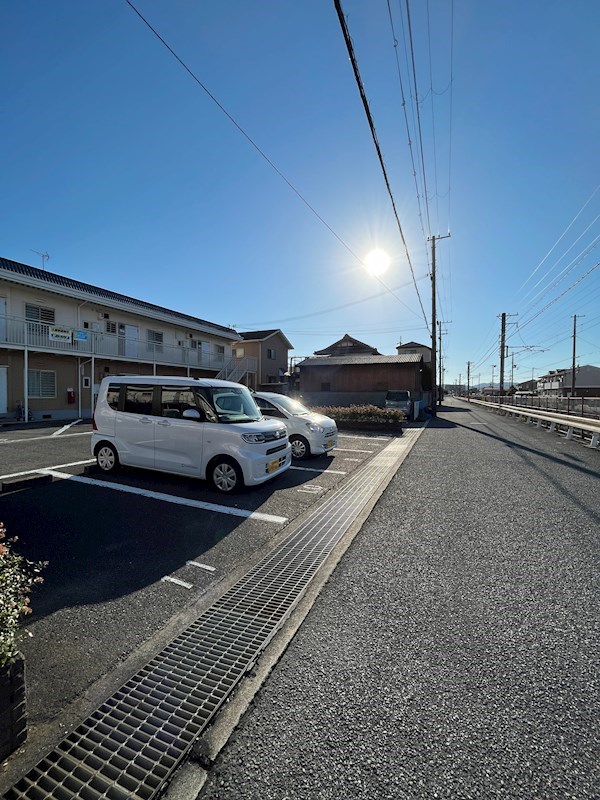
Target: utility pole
(440,360)
(574,353)
(503,348)
(434,388)
(469,381)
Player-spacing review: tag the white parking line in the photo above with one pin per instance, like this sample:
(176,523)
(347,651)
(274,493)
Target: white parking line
(353,459)
(321,471)
(66,427)
(365,436)
(40,438)
(201,566)
(311,489)
(166,498)
(342,450)
(56,466)
(185,584)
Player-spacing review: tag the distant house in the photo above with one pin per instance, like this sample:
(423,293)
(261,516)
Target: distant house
(410,348)
(350,372)
(559,382)
(270,349)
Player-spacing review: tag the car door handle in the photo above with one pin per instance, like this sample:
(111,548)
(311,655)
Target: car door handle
(164,422)
(146,421)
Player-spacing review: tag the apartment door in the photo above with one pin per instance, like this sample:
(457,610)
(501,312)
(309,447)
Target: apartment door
(3,390)
(128,336)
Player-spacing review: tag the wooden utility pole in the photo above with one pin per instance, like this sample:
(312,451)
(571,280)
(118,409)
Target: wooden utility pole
(434,388)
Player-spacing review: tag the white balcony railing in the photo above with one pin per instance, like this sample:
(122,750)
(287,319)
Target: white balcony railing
(55,338)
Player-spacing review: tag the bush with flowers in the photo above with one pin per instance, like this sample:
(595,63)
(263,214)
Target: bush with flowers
(18,575)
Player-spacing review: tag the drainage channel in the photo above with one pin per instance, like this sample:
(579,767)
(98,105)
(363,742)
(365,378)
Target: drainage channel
(131,745)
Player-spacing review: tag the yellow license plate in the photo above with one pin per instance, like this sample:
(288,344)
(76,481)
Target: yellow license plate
(272,466)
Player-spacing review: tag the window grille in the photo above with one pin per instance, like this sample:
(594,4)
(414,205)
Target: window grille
(41,383)
(35,313)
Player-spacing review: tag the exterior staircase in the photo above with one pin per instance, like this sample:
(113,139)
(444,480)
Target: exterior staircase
(236,369)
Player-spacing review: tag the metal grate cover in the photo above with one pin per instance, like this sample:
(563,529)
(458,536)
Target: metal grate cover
(130,746)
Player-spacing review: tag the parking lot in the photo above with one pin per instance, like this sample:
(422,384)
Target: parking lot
(133,556)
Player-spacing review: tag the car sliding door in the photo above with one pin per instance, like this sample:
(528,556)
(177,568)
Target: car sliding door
(178,441)
(135,427)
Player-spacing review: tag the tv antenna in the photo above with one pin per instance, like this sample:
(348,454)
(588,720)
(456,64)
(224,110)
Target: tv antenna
(45,257)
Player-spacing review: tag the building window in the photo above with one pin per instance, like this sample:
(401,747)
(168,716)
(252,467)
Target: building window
(111,327)
(155,341)
(271,353)
(220,349)
(39,314)
(239,352)
(41,384)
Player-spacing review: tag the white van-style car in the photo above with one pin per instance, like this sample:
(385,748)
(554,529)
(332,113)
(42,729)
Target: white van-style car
(310,433)
(198,427)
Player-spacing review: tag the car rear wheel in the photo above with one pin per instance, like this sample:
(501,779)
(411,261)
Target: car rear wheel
(107,458)
(300,447)
(226,475)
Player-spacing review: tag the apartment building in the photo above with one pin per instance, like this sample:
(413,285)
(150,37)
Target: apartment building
(59,337)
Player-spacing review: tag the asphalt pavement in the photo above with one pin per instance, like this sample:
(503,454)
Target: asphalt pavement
(453,653)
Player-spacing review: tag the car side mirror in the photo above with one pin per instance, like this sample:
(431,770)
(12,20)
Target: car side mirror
(193,413)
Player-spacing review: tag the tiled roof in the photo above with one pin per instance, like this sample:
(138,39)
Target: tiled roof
(338,361)
(102,294)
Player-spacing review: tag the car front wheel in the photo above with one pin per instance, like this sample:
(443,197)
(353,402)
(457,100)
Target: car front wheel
(226,476)
(300,447)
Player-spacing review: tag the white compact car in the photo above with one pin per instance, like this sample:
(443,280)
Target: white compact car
(198,427)
(309,433)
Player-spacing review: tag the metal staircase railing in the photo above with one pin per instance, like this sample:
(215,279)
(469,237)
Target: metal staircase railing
(236,369)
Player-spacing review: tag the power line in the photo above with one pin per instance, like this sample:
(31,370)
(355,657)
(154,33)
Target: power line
(563,234)
(365,103)
(268,160)
(414,72)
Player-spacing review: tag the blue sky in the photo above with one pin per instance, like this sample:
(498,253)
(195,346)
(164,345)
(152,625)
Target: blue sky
(119,165)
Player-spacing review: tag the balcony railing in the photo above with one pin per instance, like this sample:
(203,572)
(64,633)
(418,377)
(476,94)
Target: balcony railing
(56,338)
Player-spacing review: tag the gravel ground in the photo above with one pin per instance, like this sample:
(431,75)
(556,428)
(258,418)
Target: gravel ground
(454,651)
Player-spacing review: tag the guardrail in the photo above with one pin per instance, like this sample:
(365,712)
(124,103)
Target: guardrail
(555,422)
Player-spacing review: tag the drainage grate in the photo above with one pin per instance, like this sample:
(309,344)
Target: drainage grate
(130,746)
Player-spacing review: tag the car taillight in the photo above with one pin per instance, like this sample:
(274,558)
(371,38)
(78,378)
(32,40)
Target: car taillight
(94,426)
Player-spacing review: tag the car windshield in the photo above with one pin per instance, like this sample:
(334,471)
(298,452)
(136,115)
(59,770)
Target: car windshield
(396,396)
(291,406)
(233,404)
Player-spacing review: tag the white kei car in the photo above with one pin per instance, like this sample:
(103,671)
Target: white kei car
(309,433)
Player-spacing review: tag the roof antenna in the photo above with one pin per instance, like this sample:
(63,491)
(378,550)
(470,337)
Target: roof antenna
(45,257)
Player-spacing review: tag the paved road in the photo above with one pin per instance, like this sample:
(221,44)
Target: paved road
(454,652)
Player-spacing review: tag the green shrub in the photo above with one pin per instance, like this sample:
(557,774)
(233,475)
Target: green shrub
(364,413)
(17,577)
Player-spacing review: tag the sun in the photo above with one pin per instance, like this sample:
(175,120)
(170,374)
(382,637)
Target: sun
(377,262)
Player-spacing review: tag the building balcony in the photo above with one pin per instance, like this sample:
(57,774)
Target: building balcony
(23,334)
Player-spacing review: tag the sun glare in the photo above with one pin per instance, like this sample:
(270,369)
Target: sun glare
(377,262)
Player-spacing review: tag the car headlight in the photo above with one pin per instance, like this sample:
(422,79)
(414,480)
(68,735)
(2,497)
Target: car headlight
(314,428)
(253,438)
